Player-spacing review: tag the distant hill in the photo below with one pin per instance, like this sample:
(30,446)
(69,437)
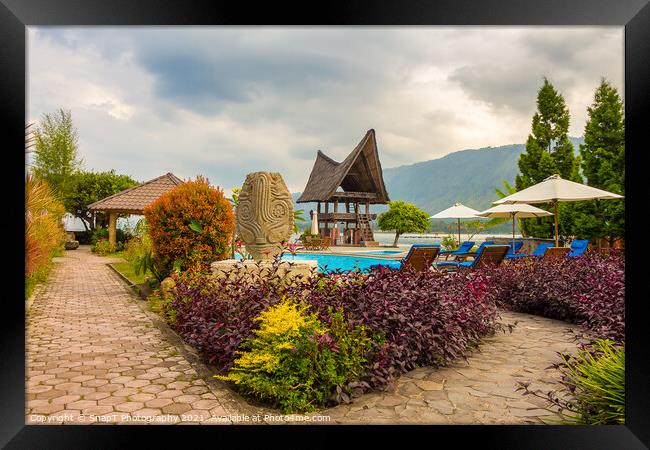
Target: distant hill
(466,176)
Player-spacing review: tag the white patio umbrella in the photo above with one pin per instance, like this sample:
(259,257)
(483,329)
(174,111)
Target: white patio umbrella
(555,189)
(314,222)
(458,211)
(513,210)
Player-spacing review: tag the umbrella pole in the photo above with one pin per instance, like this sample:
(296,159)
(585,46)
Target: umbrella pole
(557,240)
(513,233)
(459,233)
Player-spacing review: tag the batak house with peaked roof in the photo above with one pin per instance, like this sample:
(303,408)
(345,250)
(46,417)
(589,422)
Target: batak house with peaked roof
(357,181)
(133,200)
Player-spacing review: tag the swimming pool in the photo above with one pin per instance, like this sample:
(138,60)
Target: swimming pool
(345,263)
(383,252)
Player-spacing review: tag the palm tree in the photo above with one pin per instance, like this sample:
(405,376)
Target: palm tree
(509,190)
(29,138)
(297,217)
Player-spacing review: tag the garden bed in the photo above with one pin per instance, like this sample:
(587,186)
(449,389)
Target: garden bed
(367,329)
(354,333)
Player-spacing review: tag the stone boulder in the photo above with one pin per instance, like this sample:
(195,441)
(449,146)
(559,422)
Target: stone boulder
(71,245)
(166,286)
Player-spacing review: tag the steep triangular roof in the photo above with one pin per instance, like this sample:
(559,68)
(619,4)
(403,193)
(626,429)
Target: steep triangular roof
(359,172)
(136,198)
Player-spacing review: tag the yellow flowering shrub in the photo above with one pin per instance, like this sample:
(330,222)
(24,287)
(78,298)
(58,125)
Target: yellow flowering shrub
(297,362)
(284,320)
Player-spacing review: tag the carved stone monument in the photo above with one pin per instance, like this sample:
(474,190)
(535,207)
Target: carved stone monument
(264,214)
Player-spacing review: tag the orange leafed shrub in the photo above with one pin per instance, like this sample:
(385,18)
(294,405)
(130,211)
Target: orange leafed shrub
(44,232)
(192,223)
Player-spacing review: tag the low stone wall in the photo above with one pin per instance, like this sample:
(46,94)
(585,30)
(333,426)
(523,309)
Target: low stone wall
(258,269)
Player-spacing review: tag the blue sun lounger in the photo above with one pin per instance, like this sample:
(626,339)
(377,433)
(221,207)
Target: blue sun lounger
(462,256)
(463,248)
(420,257)
(578,247)
(513,252)
(486,254)
(538,252)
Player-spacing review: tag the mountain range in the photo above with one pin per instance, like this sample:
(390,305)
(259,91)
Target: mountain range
(466,176)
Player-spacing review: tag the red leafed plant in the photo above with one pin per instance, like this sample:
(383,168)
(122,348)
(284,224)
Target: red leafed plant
(193,223)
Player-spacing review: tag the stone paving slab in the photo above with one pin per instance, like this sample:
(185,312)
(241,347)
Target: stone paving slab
(480,390)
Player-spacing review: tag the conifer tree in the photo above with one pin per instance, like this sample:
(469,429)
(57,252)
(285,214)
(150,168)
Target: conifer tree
(603,165)
(548,152)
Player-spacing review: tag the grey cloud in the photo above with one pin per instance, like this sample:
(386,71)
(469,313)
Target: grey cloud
(226,101)
(498,86)
(568,58)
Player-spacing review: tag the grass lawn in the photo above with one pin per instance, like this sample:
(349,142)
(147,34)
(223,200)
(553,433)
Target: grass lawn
(126,269)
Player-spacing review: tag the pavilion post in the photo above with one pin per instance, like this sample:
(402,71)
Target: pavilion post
(112,231)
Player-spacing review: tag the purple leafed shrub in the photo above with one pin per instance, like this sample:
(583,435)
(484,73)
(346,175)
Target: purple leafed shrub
(420,319)
(215,315)
(425,319)
(588,290)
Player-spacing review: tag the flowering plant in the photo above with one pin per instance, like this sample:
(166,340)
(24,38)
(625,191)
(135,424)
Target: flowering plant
(296,361)
(241,249)
(293,248)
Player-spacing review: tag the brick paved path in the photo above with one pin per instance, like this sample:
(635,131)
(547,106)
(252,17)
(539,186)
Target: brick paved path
(95,355)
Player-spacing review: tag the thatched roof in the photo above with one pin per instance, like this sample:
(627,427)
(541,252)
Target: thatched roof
(133,200)
(359,172)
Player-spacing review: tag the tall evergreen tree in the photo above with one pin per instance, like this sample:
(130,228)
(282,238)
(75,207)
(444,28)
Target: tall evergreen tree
(548,152)
(56,151)
(603,165)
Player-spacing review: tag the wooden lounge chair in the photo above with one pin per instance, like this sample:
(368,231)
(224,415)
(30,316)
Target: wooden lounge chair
(463,248)
(538,252)
(489,255)
(462,256)
(311,243)
(421,256)
(556,252)
(513,250)
(325,243)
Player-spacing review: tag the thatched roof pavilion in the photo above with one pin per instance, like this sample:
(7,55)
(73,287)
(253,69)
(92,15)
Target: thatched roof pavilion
(134,200)
(356,180)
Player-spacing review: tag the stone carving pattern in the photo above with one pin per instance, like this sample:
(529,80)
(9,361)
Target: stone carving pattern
(264,214)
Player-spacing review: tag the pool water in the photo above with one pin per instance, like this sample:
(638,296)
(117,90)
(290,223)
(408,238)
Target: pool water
(383,252)
(345,263)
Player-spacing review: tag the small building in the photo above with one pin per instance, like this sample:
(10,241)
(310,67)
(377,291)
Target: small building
(349,187)
(133,200)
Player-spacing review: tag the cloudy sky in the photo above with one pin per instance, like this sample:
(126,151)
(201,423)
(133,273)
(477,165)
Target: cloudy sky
(225,101)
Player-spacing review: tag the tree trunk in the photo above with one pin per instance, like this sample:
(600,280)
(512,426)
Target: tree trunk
(396,238)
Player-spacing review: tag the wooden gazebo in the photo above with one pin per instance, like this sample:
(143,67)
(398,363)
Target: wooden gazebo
(133,200)
(348,185)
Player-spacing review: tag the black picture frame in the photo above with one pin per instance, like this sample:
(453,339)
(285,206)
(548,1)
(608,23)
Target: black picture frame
(634,15)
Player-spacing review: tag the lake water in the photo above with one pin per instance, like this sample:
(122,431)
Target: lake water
(430,238)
